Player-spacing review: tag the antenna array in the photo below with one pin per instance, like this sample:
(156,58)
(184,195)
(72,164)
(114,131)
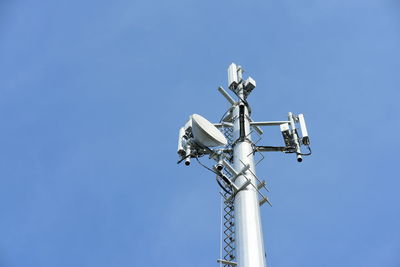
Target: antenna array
(229,143)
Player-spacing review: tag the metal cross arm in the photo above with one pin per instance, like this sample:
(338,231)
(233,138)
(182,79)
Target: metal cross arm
(271,148)
(226,95)
(267,123)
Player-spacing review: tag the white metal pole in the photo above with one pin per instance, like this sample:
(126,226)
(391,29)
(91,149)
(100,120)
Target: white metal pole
(248,229)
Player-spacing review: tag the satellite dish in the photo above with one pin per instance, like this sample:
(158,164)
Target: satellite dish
(205,133)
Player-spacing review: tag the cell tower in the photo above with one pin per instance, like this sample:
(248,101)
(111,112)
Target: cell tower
(230,143)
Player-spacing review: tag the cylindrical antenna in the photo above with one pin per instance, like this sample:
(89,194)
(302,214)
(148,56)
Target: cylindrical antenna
(181,151)
(187,160)
(295,136)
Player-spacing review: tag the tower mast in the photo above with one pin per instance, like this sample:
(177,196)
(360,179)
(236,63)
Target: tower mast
(233,150)
(248,228)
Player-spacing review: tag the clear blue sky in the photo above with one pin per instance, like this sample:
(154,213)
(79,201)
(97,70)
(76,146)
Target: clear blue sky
(92,94)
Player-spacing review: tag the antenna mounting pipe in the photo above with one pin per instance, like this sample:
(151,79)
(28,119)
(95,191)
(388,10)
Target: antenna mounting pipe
(226,95)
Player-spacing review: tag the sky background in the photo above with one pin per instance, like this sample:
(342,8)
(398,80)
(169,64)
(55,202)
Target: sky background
(92,94)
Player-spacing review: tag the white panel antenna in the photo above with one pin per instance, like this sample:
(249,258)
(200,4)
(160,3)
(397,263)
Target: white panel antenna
(233,79)
(304,132)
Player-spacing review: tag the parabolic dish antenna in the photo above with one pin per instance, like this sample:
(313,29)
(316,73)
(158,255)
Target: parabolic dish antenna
(205,133)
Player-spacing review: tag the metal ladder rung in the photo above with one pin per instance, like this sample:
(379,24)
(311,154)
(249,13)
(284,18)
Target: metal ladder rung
(231,263)
(263,200)
(245,184)
(261,185)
